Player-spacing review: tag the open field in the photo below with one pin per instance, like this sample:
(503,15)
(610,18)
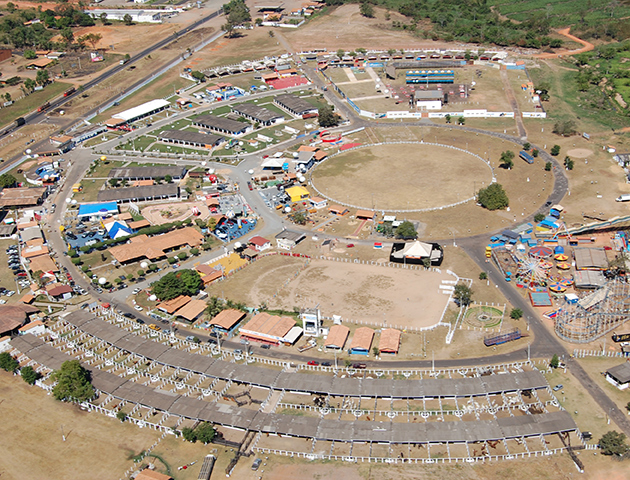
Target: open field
(32,102)
(400,177)
(32,437)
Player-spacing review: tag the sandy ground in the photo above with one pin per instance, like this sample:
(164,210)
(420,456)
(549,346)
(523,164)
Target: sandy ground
(580,152)
(359,292)
(344,27)
(125,39)
(178,212)
(400,177)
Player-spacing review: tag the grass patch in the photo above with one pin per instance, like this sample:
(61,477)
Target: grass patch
(33,101)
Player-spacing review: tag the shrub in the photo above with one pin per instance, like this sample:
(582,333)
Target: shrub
(29,375)
(182,256)
(548,166)
(555,150)
(539,217)
(516,313)
(194,251)
(174,284)
(8,363)
(483,276)
(172,260)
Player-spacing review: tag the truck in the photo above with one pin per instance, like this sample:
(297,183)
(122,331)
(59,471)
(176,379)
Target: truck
(43,107)
(69,92)
(77,187)
(19,121)
(623,198)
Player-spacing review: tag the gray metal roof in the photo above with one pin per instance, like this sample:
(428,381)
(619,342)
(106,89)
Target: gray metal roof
(191,137)
(621,373)
(294,104)
(261,114)
(220,123)
(148,172)
(132,193)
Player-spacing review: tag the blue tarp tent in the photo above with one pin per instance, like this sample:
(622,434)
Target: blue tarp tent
(97,209)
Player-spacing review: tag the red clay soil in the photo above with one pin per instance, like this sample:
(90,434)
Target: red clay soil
(565,31)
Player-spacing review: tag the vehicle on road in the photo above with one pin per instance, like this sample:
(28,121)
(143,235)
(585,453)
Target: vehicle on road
(139,308)
(136,291)
(266,346)
(359,366)
(190,338)
(155,327)
(326,364)
(313,362)
(238,351)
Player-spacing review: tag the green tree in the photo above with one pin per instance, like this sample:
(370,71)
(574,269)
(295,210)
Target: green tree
(463,294)
(113,182)
(483,276)
(7,180)
(194,251)
(555,150)
(30,85)
(174,284)
(565,128)
(375,351)
(215,306)
(548,166)
(507,159)
(461,120)
(539,217)
(527,146)
(29,375)
(568,163)
(205,432)
(189,434)
(327,117)
(555,361)
(516,314)
(30,54)
(103,18)
(493,197)
(127,20)
(447,117)
(367,10)
(407,231)
(300,218)
(182,256)
(341,53)
(67,35)
(168,179)
(8,363)
(197,75)
(73,382)
(535,153)
(120,415)
(42,78)
(613,443)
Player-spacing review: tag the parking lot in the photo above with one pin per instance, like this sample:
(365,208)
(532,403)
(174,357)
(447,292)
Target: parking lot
(272,196)
(228,229)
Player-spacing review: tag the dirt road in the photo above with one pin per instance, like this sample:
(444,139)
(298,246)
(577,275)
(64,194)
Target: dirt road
(565,31)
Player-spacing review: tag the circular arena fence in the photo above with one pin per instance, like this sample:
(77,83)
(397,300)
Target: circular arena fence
(429,209)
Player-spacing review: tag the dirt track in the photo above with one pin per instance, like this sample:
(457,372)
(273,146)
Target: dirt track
(565,31)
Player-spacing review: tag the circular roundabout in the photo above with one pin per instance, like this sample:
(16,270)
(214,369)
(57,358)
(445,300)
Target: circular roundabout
(402,176)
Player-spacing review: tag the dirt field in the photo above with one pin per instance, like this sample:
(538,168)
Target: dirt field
(357,292)
(400,177)
(345,27)
(160,214)
(33,446)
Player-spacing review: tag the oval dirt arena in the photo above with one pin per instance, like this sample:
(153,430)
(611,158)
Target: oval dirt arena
(402,177)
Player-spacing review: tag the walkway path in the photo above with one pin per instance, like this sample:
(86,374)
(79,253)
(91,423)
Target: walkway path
(509,92)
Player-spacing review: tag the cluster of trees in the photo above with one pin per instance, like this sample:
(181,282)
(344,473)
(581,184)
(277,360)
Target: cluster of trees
(10,364)
(462,294)
(58,21)
(7,180)
(565,128)
(237,14)
(493,197)
(174,284)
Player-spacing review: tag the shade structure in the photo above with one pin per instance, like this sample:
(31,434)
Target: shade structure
(540,252)
(557,287)
(546,265)
(561,257)
(563,266)
(567,282)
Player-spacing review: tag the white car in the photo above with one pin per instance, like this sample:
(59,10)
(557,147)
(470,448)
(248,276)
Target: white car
(136,291)
(138,307)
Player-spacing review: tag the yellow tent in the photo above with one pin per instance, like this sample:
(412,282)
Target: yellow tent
(297,193)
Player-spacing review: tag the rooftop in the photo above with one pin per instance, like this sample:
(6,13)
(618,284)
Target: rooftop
(21,196)
(362,339)
(269,325)
(220,123)
(259,113)
(150,191)
(141,110)
(337,336)
(227,318)
(621,373)
(171,306)
(293,103)
(143,246)
(192,310)
(191,137)
(147,172)
(390,340)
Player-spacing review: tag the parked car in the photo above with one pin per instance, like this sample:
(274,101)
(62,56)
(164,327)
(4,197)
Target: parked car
(139,308)
(326,364)
(136,291)
(266,346)
(238,351)
(190,338)
(155,327)
(256,464)
(359,365)
(558,387)
(312,362)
